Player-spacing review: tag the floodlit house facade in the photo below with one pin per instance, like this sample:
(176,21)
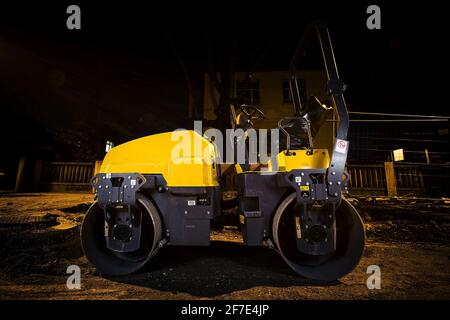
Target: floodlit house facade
(269,90)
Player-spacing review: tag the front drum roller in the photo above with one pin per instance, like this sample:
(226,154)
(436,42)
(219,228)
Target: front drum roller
(350,239)
(113,263)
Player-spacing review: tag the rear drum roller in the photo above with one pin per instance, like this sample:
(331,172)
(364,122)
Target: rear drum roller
(113,263)
(350,239)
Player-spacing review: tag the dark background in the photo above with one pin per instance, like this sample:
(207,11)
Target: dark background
(63,93)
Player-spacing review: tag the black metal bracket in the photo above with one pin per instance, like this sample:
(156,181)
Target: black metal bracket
(308,188)
(118,188)
(314,209)
(335,172)
(116,195)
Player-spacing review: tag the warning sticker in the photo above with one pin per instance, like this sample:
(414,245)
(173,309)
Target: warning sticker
(341,146)
(191,202)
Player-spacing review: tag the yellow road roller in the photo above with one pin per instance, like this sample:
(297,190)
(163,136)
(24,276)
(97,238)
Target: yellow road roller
(151,192)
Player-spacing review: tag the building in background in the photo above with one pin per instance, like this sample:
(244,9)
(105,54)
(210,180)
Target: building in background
(270,91)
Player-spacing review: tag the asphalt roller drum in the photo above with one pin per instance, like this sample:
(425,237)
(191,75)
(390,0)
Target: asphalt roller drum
(113,263)
(349,243)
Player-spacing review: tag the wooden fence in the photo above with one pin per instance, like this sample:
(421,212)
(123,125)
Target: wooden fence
(373,179)
(367,179)
(64,176)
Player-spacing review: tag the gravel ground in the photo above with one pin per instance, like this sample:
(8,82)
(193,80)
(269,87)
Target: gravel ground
(413,252)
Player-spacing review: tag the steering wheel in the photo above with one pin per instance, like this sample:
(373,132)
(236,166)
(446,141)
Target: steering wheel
(243,116)
(252,112)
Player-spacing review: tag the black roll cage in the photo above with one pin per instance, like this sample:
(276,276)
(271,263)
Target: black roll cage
(335,86)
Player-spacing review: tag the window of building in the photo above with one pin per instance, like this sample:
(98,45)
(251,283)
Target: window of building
(287,98)
(248,91)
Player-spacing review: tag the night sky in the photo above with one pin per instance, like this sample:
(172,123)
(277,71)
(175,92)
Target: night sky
(63,92)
